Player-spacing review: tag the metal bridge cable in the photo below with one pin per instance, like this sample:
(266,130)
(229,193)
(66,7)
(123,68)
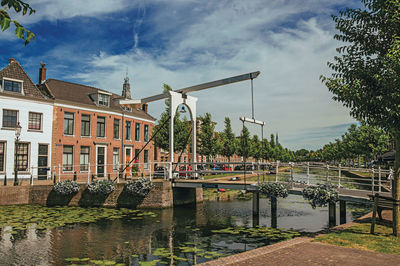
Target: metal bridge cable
(147,143)
(252,99)
(184,146)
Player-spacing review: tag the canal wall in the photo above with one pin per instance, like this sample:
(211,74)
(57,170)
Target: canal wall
(163,195)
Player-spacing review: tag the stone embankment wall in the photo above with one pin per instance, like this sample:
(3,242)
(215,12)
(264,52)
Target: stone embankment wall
(163,195)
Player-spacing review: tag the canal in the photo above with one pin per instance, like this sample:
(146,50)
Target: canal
(34,235)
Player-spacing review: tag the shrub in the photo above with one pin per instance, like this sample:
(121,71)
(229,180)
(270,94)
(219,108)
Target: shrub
(320,195)
(67,187)
(104,187)
(277,190)
(140,187)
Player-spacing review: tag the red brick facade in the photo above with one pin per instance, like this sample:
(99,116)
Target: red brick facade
(63,142)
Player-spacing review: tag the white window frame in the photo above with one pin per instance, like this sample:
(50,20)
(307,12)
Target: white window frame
(11,79)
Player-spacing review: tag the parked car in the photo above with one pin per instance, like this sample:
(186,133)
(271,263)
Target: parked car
(185,171)
(226,167)
(160,172)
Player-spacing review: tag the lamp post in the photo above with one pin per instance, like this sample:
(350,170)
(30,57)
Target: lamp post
(17,134)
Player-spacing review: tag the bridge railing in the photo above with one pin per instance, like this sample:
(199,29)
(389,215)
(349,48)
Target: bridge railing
(368,179)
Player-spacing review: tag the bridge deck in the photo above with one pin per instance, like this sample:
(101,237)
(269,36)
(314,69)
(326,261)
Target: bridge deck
(345,194)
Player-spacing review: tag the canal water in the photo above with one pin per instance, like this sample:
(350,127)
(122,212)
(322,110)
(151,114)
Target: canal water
(180,236)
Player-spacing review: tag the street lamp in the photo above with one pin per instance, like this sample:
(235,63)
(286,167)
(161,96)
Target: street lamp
(17,134)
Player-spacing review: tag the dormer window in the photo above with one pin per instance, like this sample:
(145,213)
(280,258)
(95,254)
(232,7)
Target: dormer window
(12,85)
(103,100)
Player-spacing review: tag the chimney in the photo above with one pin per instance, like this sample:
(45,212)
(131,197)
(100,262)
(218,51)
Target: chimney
(144,107)
(10,60)
(42,73)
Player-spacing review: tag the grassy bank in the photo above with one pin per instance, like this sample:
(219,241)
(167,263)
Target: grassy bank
(358,236)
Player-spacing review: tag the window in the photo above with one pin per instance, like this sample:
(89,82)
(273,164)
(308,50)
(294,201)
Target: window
(13,86)
(137,132)
(68,123)
(22,156)
(116,128)
(128,130)
(84,159)
(115,158)
(35,121)
(146,159)
(68,156)
(137,155)
(2,156)
(146,133)
(10,118)
(42,161)
(101,126)
(85,125)
(104,100)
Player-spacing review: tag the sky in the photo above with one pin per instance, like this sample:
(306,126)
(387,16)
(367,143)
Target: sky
(188,42)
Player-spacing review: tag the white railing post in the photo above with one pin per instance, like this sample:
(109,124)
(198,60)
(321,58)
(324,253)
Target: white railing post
(88,174)
(340,175)
(373,181)
(151,176)
(327,173)
(308,173)
(379,179)
(291,173)
(276,172)
(59,173)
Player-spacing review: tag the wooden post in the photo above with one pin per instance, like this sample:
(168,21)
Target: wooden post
(274,213)
(256,208)
(342,211)
(374,209)
(332,214)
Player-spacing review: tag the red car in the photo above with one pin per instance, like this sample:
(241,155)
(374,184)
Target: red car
(226,167)
(185,171)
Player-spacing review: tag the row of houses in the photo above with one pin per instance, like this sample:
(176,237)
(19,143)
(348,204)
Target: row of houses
(68,128)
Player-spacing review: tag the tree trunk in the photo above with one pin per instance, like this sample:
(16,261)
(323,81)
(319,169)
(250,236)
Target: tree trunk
(396,186)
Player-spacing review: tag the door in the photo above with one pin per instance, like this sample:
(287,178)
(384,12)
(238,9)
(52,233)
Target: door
(101,155)
(42,161)
(128,155)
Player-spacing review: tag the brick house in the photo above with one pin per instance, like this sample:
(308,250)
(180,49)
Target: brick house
(92,134)
(22,103)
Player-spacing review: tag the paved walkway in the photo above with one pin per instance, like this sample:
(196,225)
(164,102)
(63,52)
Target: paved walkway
(301,251)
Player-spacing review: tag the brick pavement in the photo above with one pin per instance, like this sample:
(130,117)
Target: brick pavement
(301,251)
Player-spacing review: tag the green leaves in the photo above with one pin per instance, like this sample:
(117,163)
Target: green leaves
(5,20)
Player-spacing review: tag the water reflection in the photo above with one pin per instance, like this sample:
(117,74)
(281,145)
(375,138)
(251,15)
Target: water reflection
(182,235)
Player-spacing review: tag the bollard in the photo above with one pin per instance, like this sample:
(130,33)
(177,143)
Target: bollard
(75,176)
(109,177)
(92,177)
(54,178)
(332,214)
(342,211)
(5,180)
(274,212)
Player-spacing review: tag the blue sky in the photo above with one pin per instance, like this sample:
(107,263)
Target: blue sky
(186,42)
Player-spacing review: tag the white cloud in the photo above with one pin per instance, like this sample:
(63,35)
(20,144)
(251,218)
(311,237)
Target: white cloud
(208,40)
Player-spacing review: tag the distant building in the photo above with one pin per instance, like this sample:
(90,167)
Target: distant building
(22,103)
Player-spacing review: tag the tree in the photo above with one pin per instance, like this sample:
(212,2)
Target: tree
(5,19)
(367,71)
(228,140)
(207,140)
(244,143)
(256,148)
(181,129)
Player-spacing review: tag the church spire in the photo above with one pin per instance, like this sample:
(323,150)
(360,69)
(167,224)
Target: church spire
(126,88)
